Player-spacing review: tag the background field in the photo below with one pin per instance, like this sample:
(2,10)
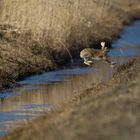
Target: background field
(36,35)
(41,35)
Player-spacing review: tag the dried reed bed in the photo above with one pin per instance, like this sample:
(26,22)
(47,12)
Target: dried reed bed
(34,33)
(65,20)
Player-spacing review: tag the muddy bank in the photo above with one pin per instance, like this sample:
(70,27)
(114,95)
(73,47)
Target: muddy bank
(24,50)
(21,56)
(108,110)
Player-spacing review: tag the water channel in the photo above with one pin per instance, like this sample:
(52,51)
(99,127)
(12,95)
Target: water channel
(52,90)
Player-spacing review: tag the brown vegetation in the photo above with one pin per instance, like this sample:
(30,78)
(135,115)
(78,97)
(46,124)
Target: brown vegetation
(111,112)
(37,34)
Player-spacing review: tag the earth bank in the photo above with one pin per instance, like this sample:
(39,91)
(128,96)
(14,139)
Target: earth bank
(106,111)
(35,41)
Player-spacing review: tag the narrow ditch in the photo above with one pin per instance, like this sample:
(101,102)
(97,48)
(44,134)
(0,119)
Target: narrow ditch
(50,91)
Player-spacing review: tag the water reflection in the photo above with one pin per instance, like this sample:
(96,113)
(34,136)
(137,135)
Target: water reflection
(51,91)
(23,103)
(130,36)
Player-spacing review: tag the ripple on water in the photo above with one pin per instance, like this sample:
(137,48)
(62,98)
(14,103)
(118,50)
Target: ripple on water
(50,91)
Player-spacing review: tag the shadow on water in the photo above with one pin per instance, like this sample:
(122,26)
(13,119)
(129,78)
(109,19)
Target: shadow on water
(50,91)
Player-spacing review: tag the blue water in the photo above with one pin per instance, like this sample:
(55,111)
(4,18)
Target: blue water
(57,76)
(130,36)
(39,92)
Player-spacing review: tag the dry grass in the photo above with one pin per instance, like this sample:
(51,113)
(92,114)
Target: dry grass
(108,111)
(34,33)
(62,22)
